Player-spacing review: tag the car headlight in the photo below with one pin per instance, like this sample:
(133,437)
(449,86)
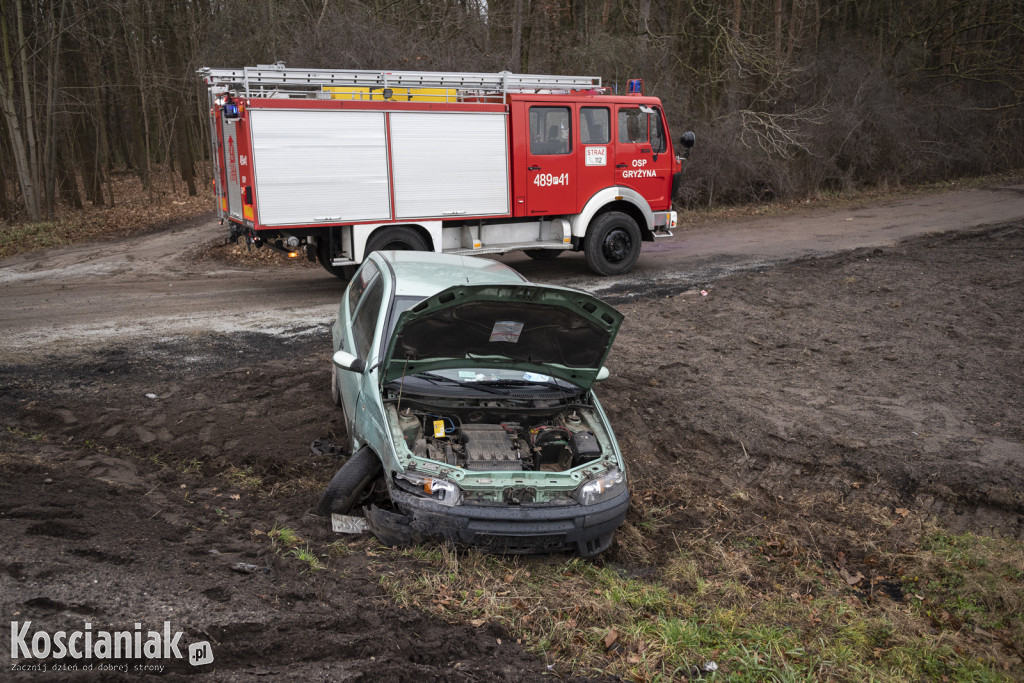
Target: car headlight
(608,485)
(439,490)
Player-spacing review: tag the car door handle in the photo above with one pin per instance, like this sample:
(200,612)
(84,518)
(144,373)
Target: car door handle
(533,168)
(621,165)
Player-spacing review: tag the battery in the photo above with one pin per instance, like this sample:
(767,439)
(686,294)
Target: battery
(584,447)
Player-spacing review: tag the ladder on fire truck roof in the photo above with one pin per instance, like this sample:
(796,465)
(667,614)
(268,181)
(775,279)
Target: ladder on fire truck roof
(257,81)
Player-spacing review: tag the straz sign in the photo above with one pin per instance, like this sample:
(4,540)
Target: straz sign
(597,156)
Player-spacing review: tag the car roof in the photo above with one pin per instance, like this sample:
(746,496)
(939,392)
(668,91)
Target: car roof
(423,273)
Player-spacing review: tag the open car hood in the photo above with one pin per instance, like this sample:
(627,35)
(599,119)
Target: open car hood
(541,329)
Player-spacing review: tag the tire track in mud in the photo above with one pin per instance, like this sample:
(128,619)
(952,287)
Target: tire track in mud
(811,375)
(792,394)
(167,545)
(893,376)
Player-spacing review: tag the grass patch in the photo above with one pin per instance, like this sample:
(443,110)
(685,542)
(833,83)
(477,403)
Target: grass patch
(305,555)
(959,619)
(283,537)
(244,477)
(29,236)
(965,581)
(286,543)
(695,215)
(193,466)
(20,433)
(135,210)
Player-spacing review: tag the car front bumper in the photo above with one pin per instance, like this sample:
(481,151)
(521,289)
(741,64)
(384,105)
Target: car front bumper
(520,529)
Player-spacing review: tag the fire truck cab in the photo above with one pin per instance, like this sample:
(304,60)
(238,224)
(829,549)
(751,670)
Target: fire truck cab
(344,163)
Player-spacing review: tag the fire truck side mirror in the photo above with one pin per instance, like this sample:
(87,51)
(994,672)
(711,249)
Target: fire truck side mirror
(687,140)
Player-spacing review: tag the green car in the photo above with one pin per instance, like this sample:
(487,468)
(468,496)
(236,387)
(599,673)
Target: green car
(467,398)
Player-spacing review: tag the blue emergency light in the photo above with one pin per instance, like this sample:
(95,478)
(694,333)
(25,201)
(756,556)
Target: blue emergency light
(231,110)
(635,86)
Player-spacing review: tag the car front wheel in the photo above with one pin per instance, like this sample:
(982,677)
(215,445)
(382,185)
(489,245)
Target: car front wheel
(351,483)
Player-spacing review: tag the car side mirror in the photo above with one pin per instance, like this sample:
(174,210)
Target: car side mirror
(602,374)
(346,361)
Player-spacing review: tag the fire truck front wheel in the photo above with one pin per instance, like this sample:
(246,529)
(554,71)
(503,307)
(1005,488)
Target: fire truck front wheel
(612,244)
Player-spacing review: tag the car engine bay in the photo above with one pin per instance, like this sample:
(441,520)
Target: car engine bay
(483,441)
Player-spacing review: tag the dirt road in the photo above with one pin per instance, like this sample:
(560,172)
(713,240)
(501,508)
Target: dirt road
(157,412)
(153,285)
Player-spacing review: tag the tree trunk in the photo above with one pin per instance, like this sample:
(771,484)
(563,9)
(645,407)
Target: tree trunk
(517,33)
(50,148)
(28,108)
(16,134)
(185,160)
(778,30)
(66,180)
(92,172)
(5,203)
(527,33)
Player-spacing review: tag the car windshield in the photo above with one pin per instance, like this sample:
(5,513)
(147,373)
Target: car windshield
(400,306)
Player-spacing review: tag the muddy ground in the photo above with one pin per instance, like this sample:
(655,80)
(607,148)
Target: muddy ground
(141,482)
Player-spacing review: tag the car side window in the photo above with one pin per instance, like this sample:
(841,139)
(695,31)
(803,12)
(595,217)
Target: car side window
(362,280)
(365,321)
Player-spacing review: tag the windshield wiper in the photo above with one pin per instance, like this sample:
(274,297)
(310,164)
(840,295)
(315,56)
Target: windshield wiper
(551,384)
(437,379)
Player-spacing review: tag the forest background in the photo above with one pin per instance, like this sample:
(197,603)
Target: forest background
(789,99)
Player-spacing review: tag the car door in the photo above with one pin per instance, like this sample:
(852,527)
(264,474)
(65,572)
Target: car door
(354,333)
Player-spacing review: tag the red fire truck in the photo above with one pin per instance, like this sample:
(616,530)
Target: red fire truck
(343,163)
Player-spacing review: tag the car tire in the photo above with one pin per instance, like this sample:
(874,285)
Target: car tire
(612,244)
(543,254)
(350,483)
(395,239)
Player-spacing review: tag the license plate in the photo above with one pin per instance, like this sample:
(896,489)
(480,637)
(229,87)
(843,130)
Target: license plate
(346,524)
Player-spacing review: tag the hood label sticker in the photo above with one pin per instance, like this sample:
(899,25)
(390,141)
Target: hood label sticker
(506,331)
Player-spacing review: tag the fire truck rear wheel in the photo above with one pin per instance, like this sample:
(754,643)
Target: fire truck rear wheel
(612,244)
(340,272)
(396,239)
(543,254)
